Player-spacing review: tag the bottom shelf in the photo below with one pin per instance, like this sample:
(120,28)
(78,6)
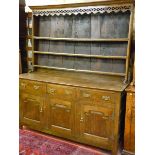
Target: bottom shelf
(86,71)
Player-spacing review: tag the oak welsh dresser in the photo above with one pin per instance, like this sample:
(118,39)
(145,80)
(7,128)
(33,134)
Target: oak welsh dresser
(81,55)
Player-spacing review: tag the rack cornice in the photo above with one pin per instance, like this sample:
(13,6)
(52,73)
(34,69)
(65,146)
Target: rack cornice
(82,10)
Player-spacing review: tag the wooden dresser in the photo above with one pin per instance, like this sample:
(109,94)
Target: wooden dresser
(77,106)
(81,55)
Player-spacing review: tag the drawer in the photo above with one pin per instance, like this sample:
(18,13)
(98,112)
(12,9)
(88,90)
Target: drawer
(32,87)
(60,91)
(96,96)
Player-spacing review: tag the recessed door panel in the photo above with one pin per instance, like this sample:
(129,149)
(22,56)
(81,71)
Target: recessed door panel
(60,116)
(96,125)
(31,110)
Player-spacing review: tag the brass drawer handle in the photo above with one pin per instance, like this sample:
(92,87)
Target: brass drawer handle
(81,119)
(51,90)
(41,108)
(106,98)
(67,110)
(23,85)
(86,113)
(29,100)
(36,87)
(86,95)
(67,92)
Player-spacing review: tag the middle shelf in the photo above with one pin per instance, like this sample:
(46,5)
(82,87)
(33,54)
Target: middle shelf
(106,57)
(83,39)
(81,55)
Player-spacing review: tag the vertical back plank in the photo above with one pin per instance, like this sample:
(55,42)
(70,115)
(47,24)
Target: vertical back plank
(106,65)
(82,29)
(96,64)
(95,47)
(68,26)
(51,49)
(68,62)
(114,49)
(82,48)
(81,26)
(44,22)
(53,26)
(95,26)
(118,66)
(42,60)
(114,25)
(59,25)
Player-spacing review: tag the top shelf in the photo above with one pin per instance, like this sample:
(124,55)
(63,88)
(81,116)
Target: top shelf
(83,39)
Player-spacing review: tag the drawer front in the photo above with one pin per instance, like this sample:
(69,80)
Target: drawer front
(32,87)
(59,91)
(96,96)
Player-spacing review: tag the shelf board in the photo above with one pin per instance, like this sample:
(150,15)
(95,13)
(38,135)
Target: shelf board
(84,39)
(86,71)
(81,55)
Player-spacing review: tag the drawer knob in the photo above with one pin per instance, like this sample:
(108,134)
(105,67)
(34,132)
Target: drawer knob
(86,95)
(51,91)
(36,87)
(106,98)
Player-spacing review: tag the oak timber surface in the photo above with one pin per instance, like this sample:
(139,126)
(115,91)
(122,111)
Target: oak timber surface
(130,88)
(77,79)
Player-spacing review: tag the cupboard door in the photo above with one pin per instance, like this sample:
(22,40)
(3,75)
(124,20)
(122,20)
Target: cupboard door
(96,125)
(31,112)
(60,117)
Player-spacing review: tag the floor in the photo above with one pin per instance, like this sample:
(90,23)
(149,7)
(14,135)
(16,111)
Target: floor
(86,146)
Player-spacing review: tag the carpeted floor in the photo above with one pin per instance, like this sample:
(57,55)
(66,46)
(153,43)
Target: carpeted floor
(33,143)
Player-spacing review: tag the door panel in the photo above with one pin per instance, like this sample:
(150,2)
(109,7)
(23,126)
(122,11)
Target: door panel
(96,125)
(60,114)
(31,110)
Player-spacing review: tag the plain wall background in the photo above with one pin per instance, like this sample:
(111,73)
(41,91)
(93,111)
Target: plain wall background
(50,2)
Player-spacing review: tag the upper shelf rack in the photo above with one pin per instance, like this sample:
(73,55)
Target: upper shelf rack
(81,9)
